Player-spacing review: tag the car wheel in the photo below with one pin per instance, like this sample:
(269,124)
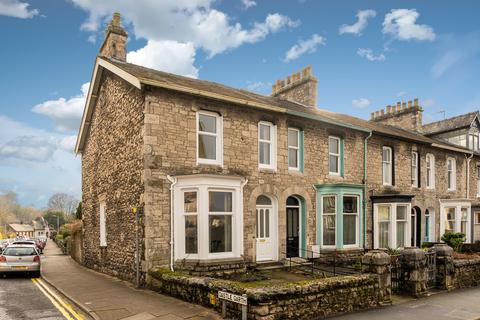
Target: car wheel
(36,274)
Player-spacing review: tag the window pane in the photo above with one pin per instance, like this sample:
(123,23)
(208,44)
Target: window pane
(383,234)
(350,204)
(463,223)
(384,213)
(267,223)
(292,158)
(349,229)
(265,132)
(329,204)
(401,212)
(207,147)
(333,164)
(263,200)
(220,233)
(292,201)
(387,173)
(386,155)
(264,153)
(333,145)
(261,219)
(401,234)
(329,230)
(207,123)
(220,201)
(191,234)
(450,217)
(292,138)
(190,201)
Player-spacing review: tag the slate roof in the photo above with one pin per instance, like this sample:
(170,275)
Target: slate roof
(458,122)
(17,227)
(164,79)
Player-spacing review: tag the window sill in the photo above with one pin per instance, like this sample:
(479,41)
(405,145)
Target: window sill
(209,164)
(294,171)
(268,170)
(335,177)
(209,261)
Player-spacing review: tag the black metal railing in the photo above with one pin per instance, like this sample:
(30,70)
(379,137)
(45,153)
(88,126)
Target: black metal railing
(317,261)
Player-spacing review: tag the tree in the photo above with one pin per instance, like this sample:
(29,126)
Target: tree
(51,218)
(78,212)
(62,202)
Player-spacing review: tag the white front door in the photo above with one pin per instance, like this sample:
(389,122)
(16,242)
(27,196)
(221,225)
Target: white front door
(265,231)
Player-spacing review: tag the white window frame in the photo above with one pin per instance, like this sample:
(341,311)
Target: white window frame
(103,224)
(430,160)
(204,184)
(186,214)
(273,146)
(451,179)
(218,135)
(329,214)
(445,204)
(337,155)
(357,224)
(296,148)
(392,231)
(414,168)
(390,166)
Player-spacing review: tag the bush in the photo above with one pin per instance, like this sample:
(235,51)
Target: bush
(454,239)
(59,237)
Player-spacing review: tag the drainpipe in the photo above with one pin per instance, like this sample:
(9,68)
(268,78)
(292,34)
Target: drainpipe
(468,175)
(173,182)
(365,186)
(244,182)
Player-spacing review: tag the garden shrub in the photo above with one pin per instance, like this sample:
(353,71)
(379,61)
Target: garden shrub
(454,239)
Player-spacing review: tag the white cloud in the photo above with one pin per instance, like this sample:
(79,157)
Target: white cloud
(65,113)
(258,86)
(428,102)
(401,24)
(17,9)
(183,21)
(304,46)
(169,56)
(360,25)
(248,3)
(30,157)
(361,103)
(368,54)
(401,94)
(454,51)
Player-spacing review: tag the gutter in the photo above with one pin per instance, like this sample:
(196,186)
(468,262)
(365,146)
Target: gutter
(173,182)
(365,186)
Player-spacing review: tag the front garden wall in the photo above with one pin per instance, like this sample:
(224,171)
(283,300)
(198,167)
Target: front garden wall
(466,273)
(290,300)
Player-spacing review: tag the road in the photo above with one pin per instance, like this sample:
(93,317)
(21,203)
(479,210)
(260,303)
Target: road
(24,298)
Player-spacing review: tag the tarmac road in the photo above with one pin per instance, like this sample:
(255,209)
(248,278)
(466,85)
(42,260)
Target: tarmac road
(24,298)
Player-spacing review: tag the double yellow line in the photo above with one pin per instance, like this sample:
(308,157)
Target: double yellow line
(61,305)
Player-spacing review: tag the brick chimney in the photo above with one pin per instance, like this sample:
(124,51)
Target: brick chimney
(299,87)
(115,43)
(404,115)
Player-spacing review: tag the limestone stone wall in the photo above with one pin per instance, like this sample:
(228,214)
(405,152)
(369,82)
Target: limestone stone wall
(170,149)
(424,198)
(466,273)
(310,299)
(112,165)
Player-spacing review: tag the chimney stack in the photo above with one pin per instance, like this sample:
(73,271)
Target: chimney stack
(115,43)
(406,115)
(298,87)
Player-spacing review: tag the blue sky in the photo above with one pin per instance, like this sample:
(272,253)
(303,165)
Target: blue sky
(365,54)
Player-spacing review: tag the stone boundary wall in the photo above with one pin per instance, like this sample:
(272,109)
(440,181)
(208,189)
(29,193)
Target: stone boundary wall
(291,300)
(466,273)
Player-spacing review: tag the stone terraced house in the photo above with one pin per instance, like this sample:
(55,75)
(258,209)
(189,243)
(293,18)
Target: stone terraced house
(221,178)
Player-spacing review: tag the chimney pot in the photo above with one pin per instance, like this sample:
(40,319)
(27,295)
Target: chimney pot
(409,103)
(415,102)
(404,105)
(382,112)
(372,115)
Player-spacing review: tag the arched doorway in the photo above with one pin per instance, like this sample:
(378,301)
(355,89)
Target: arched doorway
(416,227)
(293,207)
(266,235)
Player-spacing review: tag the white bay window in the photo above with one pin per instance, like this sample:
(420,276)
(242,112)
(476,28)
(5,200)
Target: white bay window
(208,218)
(455,217)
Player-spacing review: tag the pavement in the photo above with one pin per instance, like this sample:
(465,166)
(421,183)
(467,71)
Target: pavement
(108,298)
(454,305)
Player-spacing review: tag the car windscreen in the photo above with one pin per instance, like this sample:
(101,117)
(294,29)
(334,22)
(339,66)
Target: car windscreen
(18,252)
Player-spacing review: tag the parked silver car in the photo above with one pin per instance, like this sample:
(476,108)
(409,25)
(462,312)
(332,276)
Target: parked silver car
(19,258)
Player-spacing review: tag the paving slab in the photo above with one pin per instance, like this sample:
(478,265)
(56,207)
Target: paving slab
(108,298)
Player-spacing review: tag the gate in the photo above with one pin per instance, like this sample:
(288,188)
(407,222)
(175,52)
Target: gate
(396,273)
(431,266)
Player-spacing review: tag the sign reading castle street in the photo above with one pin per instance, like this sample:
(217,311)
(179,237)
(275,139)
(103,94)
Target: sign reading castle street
(232,297)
